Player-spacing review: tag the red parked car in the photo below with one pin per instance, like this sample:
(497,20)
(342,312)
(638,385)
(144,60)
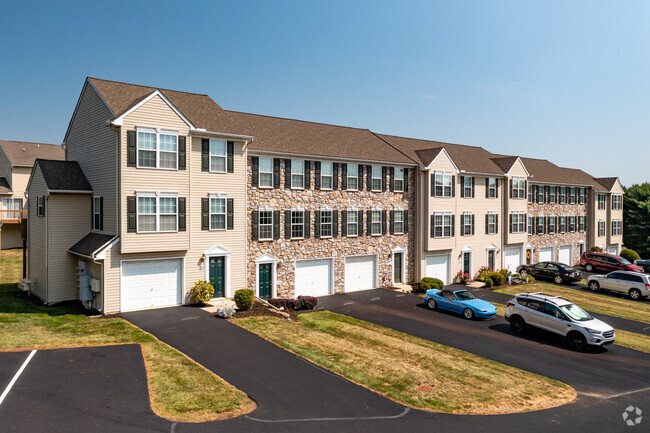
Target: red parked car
(606,263)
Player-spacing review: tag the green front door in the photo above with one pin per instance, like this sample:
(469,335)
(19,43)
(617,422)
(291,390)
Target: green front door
(265,279)
(397,267)
(217,276)
(466,263)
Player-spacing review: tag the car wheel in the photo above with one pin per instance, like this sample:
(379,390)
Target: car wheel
(523,274)
(635,294)
(577,341)
(468,313)
(594,286)
(431,303)
(589,267)
(517,324)
(558,279)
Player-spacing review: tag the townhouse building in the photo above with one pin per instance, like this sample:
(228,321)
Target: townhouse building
(161,188)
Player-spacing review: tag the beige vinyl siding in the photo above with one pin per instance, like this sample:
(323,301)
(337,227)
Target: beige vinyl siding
(514,205)
(37,240)
(68,216)
(95,269)
(442,204)
(155,113)
(94,145)
(614,215)
(598,215)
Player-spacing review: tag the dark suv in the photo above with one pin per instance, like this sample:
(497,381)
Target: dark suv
(606,262)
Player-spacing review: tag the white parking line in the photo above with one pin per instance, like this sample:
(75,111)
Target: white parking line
(16,376)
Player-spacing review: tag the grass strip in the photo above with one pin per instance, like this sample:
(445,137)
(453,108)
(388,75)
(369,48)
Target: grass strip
(412,371)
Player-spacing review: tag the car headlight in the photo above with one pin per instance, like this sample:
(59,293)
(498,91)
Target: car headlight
(592,331)
(483,311)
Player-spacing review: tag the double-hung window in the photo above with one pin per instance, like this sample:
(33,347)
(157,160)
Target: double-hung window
(540,224)
(531,224)
(265,223)
(562,223)
(616,227)
(540,193)
(353,177)
(551,194)
(266,172)
(442,225)
(563,195)
(518,187)
(531,198)
(572,223)
(601,201)
(398,222)
(572,195)
(375,174)
(518,222)
(157,148)
(375,222)
(468,191)
(442,184)
(492,187)
(551,224)
(581,223)
(467,224)
(601,228)
(40,205)
(297,223)
(398,182)
(157,212)
(491,223)
(326,175)
(617,201)
(217,212)
(97,213)
(326,222)
(353,222)
(218,155)
(297,174)
(581,195)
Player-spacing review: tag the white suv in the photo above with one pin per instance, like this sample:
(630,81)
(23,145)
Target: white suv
(559,316)
(631,283)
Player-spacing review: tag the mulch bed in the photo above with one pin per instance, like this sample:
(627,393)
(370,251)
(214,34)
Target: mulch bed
(259,309)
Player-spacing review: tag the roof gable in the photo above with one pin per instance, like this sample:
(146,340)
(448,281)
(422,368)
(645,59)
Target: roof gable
(608,182)
(23,153)
(62,176)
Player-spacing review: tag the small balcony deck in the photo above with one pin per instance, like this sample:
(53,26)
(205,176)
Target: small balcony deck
(12,216)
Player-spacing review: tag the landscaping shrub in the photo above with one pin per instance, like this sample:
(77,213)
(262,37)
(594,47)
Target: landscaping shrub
(434,283)
(302,303)
(462,278)
(498,279)
(420,287)
(483,271)
(201,292)
(596,249)
(504,272)
(529,279)
(488,282)
(244,299)
(630,255)
(225,312)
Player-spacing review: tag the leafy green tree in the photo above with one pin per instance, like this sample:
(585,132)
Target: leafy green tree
(636,219)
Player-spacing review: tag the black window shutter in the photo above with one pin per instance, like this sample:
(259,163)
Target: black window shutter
(344,222)
(368,177)
(525,187)
(335,176)
(307,174)
(182,218)
(487,217)
(406,182)
(496,223)
(384,173)
(406,221)
(101,213)
(335,223)
(205,213)
(453,225)
(132,151)
(368,222)
(255,224)
(307,224)
(487,188)
(510,221)
(230,164)
(511,183)
(317,224)
(276,224)
(276,172)
(182,153)
(344,176)
(453,186)
(317,175)
(360,177)
(131,214)
(205,154)
(287,173)
(392,222)
(535,187)
(496,184)
(473,187)
(391,172)
(255,177)
(360,222)
(472,224)
(383,222)
(287,224)
(432,225)
(230,214)
(462,187)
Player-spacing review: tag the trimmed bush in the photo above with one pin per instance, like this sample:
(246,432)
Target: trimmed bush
(306,303)
(596,249)
(482,273)
(504,272)
(529,279)
(420,287)
(302,303)
(434,283)
(201,292)
(498,279)
(630,255)
(244,299)
(488,282)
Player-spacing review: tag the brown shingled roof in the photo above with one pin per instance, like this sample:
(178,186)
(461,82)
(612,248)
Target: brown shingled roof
(4,186)
(544,171)
(25,153)
(606,182)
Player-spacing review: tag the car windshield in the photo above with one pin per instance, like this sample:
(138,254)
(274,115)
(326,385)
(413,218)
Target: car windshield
(565,267)
(625,262)
(464,295)
(575,312)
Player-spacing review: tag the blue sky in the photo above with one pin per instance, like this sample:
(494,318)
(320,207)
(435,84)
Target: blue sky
(565,81)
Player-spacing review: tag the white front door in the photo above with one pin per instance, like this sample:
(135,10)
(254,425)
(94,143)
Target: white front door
(546,254)
(151,284)
(438,267)
(360,273)
(564,255)
(512,258)
(313,277)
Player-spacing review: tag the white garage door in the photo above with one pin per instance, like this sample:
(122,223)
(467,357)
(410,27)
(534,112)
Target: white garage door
(151,284)
(438,267)
(612,250)
(513,258)
(546,254)
(313,277)
(564,255)
(360,273)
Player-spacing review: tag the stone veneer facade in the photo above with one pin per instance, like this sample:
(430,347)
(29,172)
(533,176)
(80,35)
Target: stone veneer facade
(287,250)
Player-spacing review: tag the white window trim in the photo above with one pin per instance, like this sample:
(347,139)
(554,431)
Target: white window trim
(158,132)
(297,163)
(372,223)
(604,201)
(260,172)
(443,225)
(544,230)
(291,223)
(331,223)
(519,224)
(355,177)
(259,224)
(444,175)
(373,178)
(493,224)
(519,188)
(464,223)
(323,176)
(492,188)
(355,224)
(395,211)
(40,205)
(158,195)
(395,171)
(601,223)
(225,213)
(467,187)
(225,156)
(97,212)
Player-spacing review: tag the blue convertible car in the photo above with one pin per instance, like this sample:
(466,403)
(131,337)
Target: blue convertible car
(460,301)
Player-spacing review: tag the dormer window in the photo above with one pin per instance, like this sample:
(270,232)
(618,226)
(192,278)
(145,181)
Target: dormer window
(157,148)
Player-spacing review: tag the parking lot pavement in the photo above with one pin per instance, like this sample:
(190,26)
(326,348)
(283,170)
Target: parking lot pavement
(78,390)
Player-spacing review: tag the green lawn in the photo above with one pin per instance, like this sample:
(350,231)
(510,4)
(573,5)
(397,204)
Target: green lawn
(11,266)
(412,371)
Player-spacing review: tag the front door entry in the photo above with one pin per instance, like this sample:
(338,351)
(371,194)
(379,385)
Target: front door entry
(466,263)
(217,276)
(491,259)
(265,279)
(397,267)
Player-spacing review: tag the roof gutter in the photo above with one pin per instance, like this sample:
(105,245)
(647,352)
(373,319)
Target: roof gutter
(66,191)
(201,131)
(334,158)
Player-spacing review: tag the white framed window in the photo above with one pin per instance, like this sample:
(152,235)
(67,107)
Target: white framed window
(467,186)
(353,177)
(375,222)
(616,227)
(467,223)
(398,183)
(617,201)
(491,223)
(442,184)
(157,212)
(297,173)
(572,195)
(601,228)
(572,223)
(12,204)
(218,155)
(326,175)
(492,187)
(563,195)
(266,172)
(540,193)
(518,187)
(582,193)
(581,223)
(601,201)
(353,222)
(530,193)
(157,148)
(551,194)
(40,205)
(375,178)
(97,213)
(441,225)
(265,224)
(551,223)
(562,224)
(297,223)
(398,223)
(540,224)
(531,224)
(217,212)
(326,222)
(518,222)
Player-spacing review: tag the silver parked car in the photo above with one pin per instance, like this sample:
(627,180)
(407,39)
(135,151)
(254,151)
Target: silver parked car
(631,283)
